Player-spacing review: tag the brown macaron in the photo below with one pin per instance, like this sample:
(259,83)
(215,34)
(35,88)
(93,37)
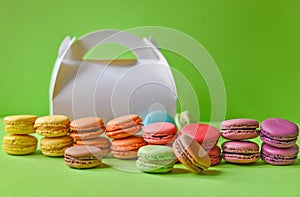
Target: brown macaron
(83,157)
(191,154)
(87,128)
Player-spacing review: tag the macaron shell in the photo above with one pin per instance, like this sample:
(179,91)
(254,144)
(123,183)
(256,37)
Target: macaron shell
(124,154)
(278,127)
(191,154)
(182,119)
(153,168)
(279,156)
(86,134)
(87,123)
(20,119)
(158,116)
(239,123)
(15,129)
(123,133)
(239,134)
(52,120)
(241,159)
(204,134)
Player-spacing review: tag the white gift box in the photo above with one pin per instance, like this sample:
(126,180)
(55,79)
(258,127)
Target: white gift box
(111,88)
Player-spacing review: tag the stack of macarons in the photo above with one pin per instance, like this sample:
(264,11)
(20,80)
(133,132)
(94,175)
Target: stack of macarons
(87,132)
(279,138)
(125,144)
(239,149)
(19,141)
(55,129)
(207,136)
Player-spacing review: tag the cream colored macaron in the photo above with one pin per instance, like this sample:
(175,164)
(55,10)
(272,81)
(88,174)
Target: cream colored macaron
(52,126)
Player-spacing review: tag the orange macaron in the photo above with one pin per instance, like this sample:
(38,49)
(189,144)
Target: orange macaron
(127,148)
(124,126)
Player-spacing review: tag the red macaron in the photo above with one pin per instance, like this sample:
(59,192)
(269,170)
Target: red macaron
(204,134)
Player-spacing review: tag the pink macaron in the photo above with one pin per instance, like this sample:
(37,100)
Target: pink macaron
(240,152)
(279,156)
(279,132)
(239,129)
(159,133)
(204,134)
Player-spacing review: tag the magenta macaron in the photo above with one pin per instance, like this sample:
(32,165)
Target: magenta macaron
(239,129)
(159,133)
(204,134)
(279,156)
(240,152)
(279,132)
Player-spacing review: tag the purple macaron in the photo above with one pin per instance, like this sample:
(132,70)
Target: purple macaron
(279,132)
(240,152)
(239,129)
(279,156)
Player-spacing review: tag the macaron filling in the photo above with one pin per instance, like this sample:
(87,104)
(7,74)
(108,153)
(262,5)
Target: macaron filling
(284,141)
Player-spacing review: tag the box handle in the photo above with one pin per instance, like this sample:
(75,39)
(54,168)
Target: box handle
(141,49)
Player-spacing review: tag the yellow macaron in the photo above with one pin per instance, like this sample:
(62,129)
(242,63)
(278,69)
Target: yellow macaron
(52,126)
(20,124)
(19,144)
(55,146)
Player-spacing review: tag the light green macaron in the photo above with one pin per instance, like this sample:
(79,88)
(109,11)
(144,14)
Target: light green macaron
(182,119)
(155,159)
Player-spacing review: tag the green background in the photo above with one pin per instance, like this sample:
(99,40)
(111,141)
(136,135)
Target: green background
(254,43)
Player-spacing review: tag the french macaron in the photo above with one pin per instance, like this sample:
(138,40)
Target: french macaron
(87,128)
(52,126)
(215,155)
(240,152)
(20,124)
(279,156)
(155,159)
(239,129)
(17,144)
(191,154)
(82,157)
(99,142)
(55,146)
(183,118)
(158,116)
(127,148)
(206,135)
(279,132)
(159,133)
(124,126)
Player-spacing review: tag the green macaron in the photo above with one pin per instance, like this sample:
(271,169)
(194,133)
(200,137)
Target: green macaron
(155,159)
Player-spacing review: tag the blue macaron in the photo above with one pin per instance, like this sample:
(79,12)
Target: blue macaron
(158,116)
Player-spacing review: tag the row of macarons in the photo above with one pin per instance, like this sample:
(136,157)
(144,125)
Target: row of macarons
(278,133)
